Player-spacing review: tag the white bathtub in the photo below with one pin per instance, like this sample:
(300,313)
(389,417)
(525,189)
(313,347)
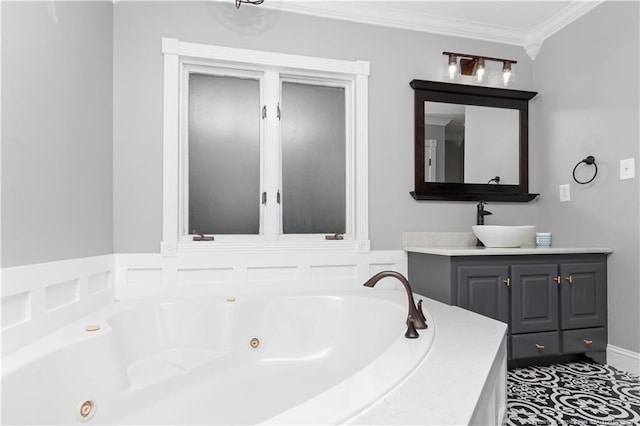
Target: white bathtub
(319,359)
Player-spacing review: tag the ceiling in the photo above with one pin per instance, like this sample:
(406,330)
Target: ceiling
(521,23)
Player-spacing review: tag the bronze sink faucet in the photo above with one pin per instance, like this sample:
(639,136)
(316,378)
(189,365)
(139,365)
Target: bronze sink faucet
(415,318)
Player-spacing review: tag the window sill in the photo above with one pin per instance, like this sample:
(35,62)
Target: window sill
(169,249)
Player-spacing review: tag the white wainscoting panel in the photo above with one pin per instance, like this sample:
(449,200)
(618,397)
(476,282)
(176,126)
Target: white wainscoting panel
(57,296)
(37,299)
(204,275)
(142,276)
(271,273)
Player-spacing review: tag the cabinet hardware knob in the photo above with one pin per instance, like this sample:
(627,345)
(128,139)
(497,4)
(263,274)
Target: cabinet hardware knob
(587,342)
(557,279)
(507,281)
(569,278)
(539,346)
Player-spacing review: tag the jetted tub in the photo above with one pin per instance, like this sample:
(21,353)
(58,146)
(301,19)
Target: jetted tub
(294,359)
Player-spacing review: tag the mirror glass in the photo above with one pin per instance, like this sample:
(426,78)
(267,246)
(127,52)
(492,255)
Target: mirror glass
(470,143)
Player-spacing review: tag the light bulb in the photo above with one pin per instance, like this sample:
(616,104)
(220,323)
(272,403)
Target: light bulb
(507,73)
(453,67)
(481,72)
(453,71)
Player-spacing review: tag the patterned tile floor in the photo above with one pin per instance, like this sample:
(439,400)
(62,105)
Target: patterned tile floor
(579,393)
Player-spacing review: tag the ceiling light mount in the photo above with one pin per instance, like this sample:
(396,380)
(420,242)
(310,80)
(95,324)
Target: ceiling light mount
(474,65)
(256,2)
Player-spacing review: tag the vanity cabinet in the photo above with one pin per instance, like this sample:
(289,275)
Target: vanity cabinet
(553,304)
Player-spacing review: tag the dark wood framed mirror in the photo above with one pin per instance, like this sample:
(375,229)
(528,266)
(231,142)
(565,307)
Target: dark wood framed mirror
(469,137)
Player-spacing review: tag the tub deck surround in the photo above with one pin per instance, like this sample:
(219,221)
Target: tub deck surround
(461,381)
(154,362)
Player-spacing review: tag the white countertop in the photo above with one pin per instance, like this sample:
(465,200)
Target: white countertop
(464,244)
(485,251)
(446,388)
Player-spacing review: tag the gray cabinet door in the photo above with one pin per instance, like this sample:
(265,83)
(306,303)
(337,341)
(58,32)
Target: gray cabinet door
(584,295)
(534,294)
(482,289)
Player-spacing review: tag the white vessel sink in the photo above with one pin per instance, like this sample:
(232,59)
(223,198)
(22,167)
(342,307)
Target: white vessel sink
(503,236)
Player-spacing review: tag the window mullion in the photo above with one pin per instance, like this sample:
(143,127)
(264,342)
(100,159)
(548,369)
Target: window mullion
(271,156)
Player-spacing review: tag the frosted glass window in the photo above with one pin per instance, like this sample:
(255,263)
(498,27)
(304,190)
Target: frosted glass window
(224,154)
(313,159)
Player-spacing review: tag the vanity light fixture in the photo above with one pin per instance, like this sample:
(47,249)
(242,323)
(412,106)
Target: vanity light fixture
(474,65)
(256,2)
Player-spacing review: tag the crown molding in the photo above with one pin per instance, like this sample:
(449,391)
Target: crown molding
(573,11)
(563,18)
(375,13)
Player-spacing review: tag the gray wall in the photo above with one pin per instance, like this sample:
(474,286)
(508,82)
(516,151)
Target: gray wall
(56,131)
(588,105)
(396,58)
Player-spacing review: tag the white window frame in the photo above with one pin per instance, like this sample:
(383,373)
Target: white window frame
(179,58)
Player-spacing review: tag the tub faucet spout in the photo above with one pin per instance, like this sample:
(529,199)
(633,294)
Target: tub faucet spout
(415,318)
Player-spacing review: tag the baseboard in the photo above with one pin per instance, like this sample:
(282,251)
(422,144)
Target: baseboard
(623,359)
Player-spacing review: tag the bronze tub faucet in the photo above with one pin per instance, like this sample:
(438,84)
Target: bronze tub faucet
(415,318)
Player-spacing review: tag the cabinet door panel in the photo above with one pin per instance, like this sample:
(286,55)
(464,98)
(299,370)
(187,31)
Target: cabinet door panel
(481,289)
(534,298)
(584,295)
